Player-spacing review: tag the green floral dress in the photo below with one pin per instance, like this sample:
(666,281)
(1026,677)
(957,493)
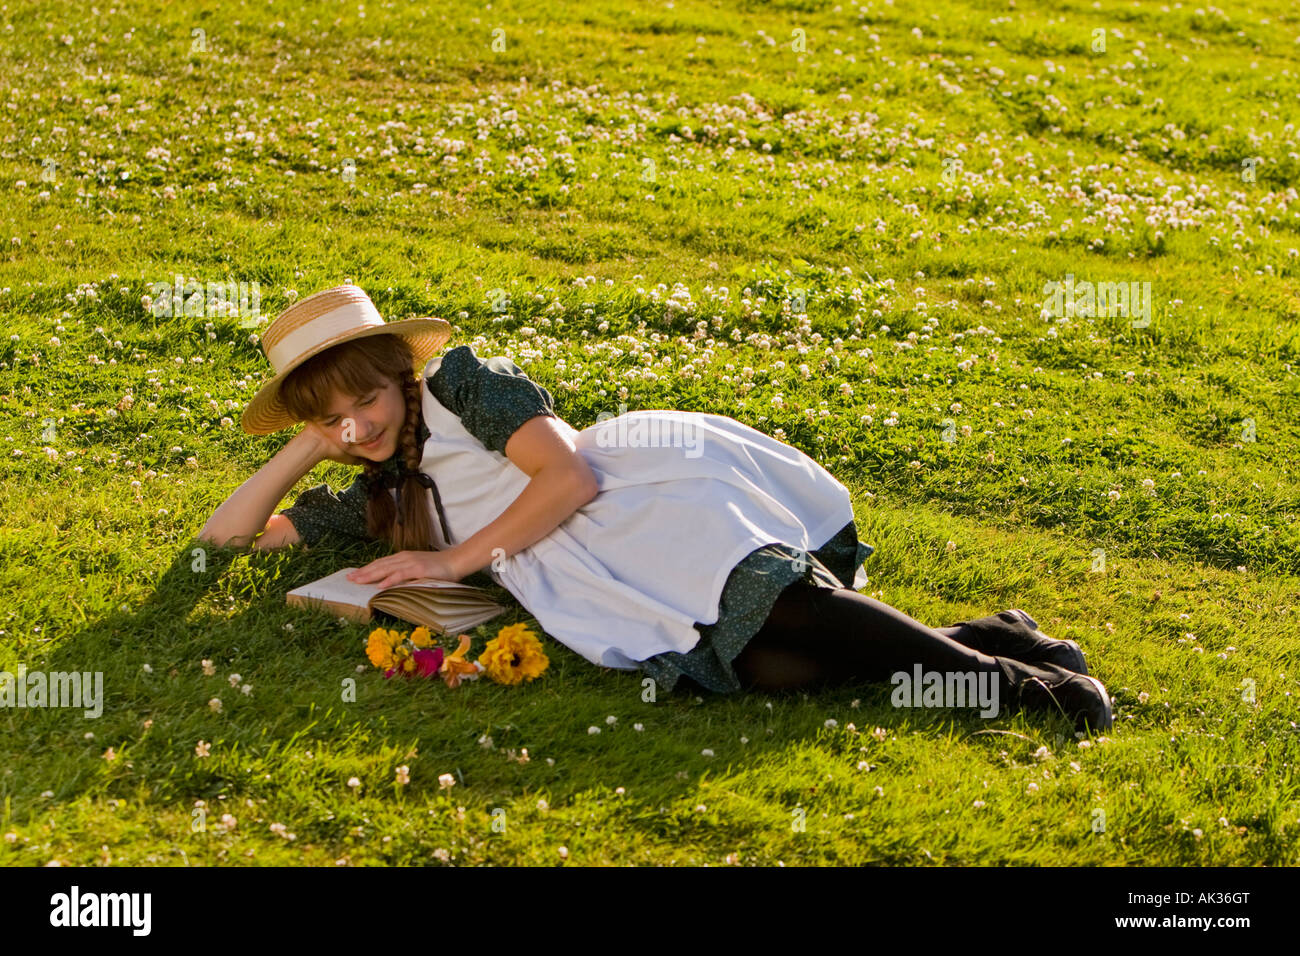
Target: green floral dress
(493,397)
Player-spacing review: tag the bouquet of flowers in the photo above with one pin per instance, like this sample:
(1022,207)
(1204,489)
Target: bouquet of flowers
(515,655)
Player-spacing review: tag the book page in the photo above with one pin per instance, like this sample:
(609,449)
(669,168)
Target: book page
(337,587)
(439,619)
(436,583)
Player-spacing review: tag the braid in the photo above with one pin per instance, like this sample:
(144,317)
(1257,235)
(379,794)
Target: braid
(410,451)
(415,531)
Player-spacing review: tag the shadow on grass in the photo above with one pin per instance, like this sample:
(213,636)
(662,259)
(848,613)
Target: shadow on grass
(319,714)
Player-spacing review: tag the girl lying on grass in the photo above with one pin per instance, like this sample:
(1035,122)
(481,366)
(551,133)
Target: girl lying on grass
(688,546)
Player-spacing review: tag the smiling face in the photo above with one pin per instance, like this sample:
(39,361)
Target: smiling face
(377,415)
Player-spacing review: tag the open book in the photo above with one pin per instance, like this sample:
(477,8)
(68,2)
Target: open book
(444,607)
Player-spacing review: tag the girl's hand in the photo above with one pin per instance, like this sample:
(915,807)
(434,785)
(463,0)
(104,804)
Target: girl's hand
(406,566)
(328,447)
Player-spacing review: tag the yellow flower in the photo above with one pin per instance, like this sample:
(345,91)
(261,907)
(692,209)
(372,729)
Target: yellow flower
(514,655)
(378,650)
(420,637)
(380,647)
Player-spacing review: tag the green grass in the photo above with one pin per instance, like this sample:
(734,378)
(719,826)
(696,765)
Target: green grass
(666,190)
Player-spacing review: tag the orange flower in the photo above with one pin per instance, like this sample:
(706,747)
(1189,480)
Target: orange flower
(454,665)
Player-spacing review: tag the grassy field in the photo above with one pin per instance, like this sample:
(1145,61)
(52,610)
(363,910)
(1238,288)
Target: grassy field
(833,222)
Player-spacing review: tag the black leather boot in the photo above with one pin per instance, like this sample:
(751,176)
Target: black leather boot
(1083,699)
(1015,634)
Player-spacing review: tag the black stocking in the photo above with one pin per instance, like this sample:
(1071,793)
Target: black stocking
(816,636)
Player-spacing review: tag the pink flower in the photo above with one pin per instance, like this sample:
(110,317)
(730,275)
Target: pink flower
(428,661)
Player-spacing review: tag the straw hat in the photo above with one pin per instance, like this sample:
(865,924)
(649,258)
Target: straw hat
(319,322)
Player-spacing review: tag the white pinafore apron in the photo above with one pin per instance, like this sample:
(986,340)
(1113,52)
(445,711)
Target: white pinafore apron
(684,496)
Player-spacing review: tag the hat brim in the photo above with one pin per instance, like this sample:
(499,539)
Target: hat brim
(266,414)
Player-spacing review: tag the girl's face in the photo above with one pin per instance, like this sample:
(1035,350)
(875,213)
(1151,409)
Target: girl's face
(367,426)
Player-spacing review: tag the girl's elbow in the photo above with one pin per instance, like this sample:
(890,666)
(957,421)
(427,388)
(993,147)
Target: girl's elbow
(225,540)
(211,535)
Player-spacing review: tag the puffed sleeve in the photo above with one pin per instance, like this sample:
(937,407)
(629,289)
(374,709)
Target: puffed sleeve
(318,511)
(492,397)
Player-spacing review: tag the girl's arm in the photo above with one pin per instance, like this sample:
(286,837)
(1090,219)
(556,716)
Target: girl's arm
(243,516)
(562,482)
